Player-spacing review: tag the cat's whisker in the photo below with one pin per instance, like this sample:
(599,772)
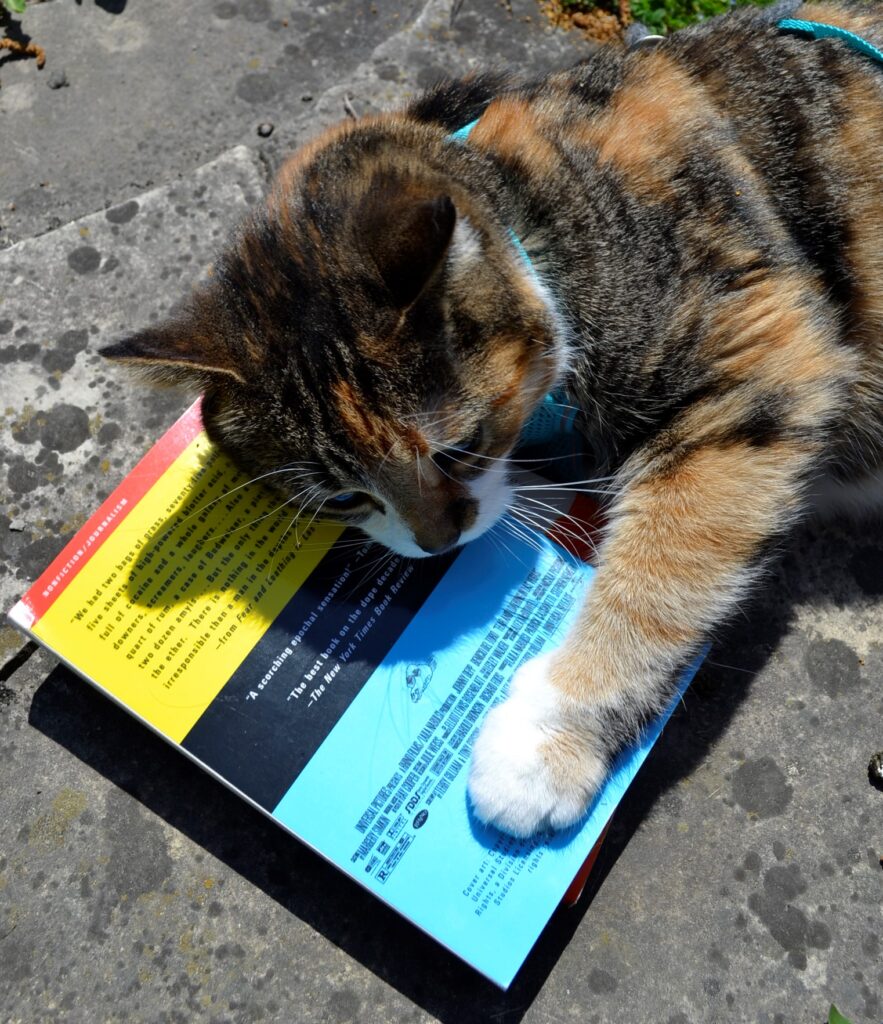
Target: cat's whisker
(524,533)
(386,457)
(541,460)
(556,516)
(510,460)
(492,533)
(304,494)
(444,472)
(419,472)
(315,513)
(561,405)
(552,527)
(470,465)
(328,545)
(436,418)
(731,668)
(575,487)
(563,534)
(301,511)
(434,431)
(525,537)
(374,567)
(290,468)
(525,517)
(587,480)
(278,545)
(266,515)
(536,516)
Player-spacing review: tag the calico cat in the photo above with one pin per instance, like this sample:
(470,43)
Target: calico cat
(704,225)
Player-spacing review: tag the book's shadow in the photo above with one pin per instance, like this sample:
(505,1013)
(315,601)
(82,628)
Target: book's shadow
(138,762)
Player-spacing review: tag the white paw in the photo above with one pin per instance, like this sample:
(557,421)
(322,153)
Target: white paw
(533,767)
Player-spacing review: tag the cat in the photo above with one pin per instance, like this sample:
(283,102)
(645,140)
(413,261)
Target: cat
(703,221)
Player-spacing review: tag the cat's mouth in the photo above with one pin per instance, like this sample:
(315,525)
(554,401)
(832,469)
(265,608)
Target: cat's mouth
(485,501)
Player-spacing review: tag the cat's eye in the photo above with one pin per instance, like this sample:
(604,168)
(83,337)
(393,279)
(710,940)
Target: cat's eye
(469,445)
(347,501)
(461,459)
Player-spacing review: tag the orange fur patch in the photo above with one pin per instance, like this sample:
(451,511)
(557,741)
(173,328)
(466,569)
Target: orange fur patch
(381,350)
(675,541)
(862,147)
(294,167)
(504,397)
(764,335)
(301,160)
(512,128)
(649,125)
(842,17)
(370,433)
(374,435)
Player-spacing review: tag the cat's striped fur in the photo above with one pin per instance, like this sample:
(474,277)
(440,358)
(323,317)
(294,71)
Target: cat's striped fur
(707,219)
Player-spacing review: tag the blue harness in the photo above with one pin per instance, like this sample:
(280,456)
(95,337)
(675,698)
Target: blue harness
(554,419)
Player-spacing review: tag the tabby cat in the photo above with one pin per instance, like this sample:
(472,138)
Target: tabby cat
(704,227)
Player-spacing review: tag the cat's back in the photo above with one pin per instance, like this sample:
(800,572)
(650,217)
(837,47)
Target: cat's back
(805,115)
(770,102)
(728,153)
(728,118)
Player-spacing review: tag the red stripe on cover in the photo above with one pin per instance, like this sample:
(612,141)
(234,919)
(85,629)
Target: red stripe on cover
(575,889)
(580,538)
(89,538)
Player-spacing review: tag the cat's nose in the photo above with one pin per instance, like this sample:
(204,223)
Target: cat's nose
(439,547)
(437,534)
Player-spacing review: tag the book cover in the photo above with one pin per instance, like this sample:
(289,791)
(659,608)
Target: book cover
(334,685)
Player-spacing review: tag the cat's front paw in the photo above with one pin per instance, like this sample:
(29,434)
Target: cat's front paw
(534,764)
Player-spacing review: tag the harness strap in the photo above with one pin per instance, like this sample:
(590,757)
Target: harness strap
(553,416)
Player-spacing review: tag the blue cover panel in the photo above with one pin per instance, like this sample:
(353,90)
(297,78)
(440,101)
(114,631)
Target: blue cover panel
(395,765)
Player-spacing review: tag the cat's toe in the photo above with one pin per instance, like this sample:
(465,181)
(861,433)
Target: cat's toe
(532,766)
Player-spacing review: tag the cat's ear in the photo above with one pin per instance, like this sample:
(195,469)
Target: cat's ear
(181,351)
(407,236)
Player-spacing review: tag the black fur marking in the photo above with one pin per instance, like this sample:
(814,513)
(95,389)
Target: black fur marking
(455,103)
(764,426)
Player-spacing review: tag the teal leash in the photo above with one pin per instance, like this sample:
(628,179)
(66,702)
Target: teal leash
(818,30)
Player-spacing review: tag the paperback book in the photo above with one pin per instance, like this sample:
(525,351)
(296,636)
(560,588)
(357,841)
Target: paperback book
(335,686)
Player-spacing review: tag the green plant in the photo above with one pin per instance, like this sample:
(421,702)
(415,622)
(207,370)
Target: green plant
(836,1017)
(661,16)
(14,6)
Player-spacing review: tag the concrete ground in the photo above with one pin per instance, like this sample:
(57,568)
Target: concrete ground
(741,880)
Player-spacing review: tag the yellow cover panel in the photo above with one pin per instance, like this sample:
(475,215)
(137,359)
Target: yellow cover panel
(180,593)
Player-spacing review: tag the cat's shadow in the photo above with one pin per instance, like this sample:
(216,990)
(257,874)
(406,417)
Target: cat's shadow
(166,783)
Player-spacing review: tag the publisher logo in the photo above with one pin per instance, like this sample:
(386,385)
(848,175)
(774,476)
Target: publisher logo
(420,818)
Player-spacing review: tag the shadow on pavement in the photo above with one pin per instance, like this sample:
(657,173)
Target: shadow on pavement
(111,6)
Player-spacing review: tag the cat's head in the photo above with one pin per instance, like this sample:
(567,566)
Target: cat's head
(370,342)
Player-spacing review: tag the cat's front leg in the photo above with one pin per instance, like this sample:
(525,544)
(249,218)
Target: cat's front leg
(687,535)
